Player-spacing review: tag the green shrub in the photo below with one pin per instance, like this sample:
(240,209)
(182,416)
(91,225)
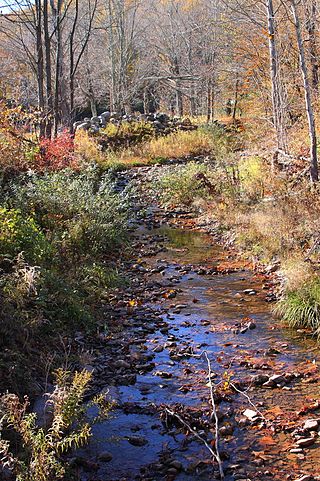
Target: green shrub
(97,278)
(185,184)
(223,143)
(63,304)
(80,212)
(301,308)
(20,233)
(252,177)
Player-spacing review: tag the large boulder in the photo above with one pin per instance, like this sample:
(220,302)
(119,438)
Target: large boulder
(106,116)
(83,126)
(95,120)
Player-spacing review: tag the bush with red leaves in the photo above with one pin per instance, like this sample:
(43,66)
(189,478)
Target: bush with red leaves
(56,154)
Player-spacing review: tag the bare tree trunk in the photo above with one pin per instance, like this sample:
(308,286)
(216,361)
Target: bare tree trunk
(179,97)
(145,101)
(193,108)
(47,42)
(236,98)
(56,9)
(311,29)
(278,119)
(307,93)
(209,100)
(179,101)
(74,59)
(113,101)
(40,65)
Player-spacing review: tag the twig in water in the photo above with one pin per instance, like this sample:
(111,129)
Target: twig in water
(250,402)
(214,414)
(197,435)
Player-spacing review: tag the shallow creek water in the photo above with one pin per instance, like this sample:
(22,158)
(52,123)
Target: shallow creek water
(214,304)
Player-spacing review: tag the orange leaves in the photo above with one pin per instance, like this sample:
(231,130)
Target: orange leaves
(267,440)
(274,412)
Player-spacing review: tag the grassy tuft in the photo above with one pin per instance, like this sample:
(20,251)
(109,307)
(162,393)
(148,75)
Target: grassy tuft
(301,308)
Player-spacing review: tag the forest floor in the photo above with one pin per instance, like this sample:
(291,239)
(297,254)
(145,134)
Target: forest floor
(193,306)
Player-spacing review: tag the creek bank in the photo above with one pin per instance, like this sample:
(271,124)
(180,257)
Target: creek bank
(187,294)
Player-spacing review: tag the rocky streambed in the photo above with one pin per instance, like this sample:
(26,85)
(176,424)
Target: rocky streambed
(192,309)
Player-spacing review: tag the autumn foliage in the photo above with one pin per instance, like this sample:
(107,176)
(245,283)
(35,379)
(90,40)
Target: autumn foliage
(57,153)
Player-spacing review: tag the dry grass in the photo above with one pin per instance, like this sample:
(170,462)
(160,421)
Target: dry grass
(86,148)
(298,272)
(281,228)
(176,145)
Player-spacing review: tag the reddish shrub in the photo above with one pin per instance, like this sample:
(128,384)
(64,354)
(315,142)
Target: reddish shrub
(56,154)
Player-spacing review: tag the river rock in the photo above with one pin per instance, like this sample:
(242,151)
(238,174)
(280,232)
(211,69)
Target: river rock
(251,325)
(275,380)
(226,430)
(176,465)
(158,349)
(250,292)
(163,374)
(305,442)
(272,268)
(311,425)
(260,379)
(137,440)
(122,364)
(105,457)
(250,414)
(306,477)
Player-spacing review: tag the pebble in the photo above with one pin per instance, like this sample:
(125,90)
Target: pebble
(311,425)
(305,442)
(122,364)
(105,457)
(306,477)
(137,441)
(250,414)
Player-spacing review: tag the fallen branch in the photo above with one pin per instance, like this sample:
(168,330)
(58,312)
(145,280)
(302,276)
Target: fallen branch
(215,456)
(214,414)
(250,402)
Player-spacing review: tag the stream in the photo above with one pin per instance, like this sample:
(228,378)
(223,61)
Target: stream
(190,300)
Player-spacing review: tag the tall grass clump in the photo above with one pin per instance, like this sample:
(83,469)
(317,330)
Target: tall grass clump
(87,148)
(301,308)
